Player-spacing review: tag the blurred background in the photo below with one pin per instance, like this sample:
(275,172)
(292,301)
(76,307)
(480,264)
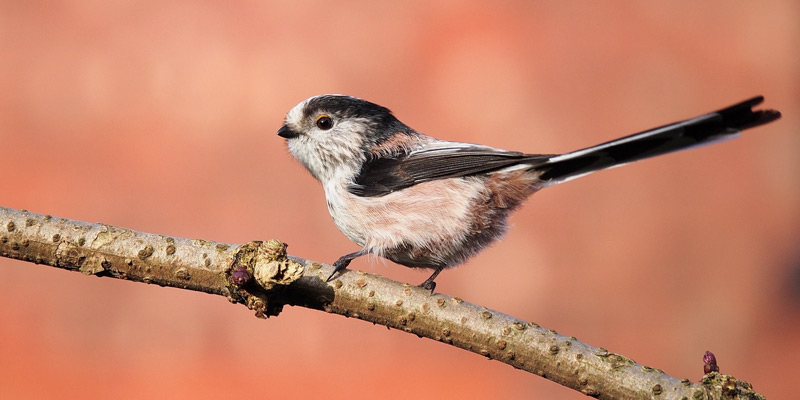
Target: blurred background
(161,117)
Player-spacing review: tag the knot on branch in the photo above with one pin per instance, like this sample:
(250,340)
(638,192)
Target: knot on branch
(272,270)
(729,386)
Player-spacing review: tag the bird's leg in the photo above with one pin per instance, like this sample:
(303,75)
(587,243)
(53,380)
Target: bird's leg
(343,262)
(429,284)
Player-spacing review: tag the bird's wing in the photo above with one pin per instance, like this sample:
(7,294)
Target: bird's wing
(385,174)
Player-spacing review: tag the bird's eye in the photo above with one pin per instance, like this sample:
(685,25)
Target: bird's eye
(324,122)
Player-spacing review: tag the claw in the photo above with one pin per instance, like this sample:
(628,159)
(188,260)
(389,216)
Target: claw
(339,265)
(331,275)
(343,262)
(429,284)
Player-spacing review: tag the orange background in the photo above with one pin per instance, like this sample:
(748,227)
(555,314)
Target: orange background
(161,117)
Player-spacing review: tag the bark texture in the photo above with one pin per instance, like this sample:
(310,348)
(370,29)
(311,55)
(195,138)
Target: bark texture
(263,277)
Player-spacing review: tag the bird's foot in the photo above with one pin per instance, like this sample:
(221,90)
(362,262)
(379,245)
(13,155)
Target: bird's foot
(429,284)
(339,265)
(343,262)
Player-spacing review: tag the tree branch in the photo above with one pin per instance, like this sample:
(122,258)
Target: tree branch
(261,276)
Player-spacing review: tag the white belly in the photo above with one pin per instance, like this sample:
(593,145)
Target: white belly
(424,215)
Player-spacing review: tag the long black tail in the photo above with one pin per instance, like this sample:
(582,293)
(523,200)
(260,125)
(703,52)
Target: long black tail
(719,125)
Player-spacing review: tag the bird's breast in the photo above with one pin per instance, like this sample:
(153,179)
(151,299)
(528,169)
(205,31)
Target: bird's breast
(421,215)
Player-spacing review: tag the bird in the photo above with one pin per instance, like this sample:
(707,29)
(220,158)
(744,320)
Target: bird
(427,203)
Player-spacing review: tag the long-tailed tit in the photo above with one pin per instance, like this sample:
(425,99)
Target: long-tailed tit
(428,203)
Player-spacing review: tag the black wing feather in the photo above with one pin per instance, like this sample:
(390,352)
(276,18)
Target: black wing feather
(383,175)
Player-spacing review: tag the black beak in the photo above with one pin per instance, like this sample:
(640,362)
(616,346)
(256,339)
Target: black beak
(287,133)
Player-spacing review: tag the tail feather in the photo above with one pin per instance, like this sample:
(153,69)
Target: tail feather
(709,128)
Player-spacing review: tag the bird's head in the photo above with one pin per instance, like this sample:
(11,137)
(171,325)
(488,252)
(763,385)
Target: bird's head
(333,135)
